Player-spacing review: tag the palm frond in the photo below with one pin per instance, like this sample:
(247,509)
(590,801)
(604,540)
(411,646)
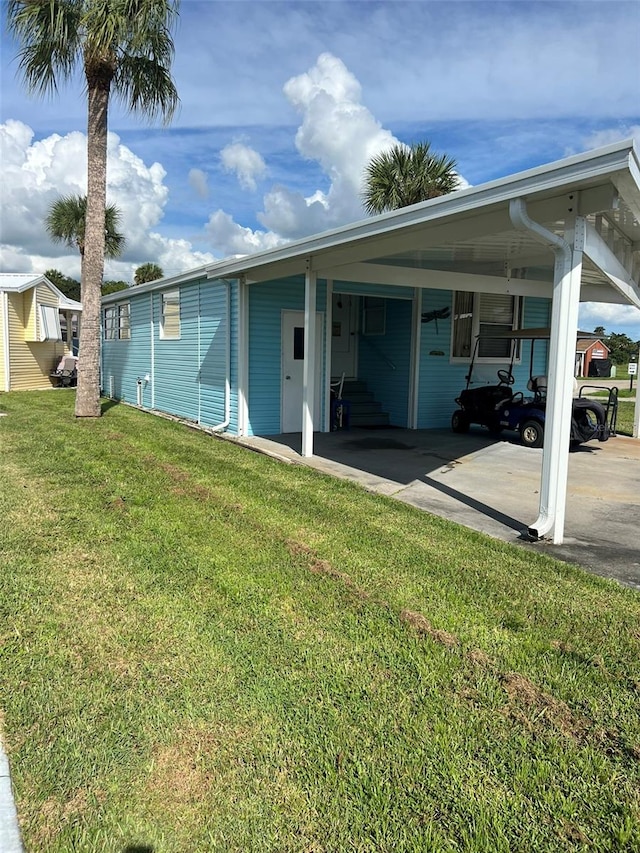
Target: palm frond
(50,34)
(404,175)
(66,223)
(146,87)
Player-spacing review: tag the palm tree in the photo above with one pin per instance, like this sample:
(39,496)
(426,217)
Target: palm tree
(405,175)
(124,48)
(66,223)
(147,272)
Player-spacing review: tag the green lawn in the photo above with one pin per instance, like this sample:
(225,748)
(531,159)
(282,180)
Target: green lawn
(207,650)
(624,424)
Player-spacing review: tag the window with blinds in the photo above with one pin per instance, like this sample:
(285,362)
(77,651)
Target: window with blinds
(484,314)
(496,313)
(170,320)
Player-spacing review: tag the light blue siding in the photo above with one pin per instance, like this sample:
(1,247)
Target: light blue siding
(384,361)
(267,301)
(177,361)
(187,374)
(214,352)
(126,361)
(537,314)
(440,381)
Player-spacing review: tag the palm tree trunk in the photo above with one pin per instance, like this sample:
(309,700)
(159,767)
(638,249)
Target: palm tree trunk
(88,392)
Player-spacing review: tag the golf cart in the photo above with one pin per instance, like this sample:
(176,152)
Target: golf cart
(498,407)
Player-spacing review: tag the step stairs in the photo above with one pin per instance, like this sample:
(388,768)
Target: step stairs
(366,411)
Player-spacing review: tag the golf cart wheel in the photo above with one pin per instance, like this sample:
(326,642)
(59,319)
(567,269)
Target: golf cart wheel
(531,433)
(459,421)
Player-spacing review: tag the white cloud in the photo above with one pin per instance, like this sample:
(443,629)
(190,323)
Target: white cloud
(624,319)
(612,134)
(199,181)
(228,238)
(37,173)
(339,133)
(245,162)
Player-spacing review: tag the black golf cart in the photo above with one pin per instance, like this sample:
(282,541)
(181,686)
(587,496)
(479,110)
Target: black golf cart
(497,407)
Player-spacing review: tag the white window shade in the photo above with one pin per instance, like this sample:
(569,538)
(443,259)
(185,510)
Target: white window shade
(497,314)
(170,321)
(49,323)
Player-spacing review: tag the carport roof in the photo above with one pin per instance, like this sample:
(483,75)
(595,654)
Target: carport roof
(469,233)
(467,241)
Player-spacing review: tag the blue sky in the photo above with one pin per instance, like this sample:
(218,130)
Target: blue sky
(282,103)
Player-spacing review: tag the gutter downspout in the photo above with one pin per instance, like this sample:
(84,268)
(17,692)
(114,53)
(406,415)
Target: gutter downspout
(564,324)
(7,348)
(227,373)
(152,349)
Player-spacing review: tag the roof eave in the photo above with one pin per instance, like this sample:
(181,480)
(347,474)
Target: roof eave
(612,160)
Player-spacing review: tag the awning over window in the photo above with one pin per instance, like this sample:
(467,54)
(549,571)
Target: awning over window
(49,323)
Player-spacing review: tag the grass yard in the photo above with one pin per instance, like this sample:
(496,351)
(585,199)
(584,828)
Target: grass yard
(207,650)
(624,424)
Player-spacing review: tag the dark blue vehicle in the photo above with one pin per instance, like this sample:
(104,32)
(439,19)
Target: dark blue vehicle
(498,408)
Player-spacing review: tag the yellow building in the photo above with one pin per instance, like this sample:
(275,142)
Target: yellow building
(38,325)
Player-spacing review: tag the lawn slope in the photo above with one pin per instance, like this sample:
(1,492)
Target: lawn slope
(207,650)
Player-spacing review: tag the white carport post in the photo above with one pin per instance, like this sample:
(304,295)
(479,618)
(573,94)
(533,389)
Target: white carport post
(309,366)
(564,327)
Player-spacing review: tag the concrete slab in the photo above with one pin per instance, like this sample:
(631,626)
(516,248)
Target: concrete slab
(493,486)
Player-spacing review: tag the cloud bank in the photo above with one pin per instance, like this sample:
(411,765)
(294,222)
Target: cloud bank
(36,173)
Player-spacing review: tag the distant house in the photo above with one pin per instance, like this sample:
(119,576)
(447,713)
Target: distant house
(590,350)
(38,325)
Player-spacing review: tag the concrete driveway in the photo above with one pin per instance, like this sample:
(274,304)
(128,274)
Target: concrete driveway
(493,486)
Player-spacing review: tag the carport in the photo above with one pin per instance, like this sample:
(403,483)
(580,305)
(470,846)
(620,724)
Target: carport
(568,231)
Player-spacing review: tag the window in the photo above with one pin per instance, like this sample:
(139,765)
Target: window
(50,323)
(110,315)
(124,326)
(170,321)
(484,314)
(116,322)
(373,315)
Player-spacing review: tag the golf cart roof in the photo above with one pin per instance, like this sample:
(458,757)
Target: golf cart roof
(532,334)
(519,334)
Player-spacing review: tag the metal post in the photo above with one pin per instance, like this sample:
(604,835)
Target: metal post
(564,324)
(309,367)
(636,417)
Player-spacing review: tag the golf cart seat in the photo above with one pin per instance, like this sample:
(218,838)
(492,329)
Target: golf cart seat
(538,384)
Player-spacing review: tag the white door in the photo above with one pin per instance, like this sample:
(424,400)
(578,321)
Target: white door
(343,335)
(292,370)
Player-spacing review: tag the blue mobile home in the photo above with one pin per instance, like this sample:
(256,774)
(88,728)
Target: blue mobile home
(252,345)
(174,347)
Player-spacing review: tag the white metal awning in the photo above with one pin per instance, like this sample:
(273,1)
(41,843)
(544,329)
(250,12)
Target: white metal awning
(470,233)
